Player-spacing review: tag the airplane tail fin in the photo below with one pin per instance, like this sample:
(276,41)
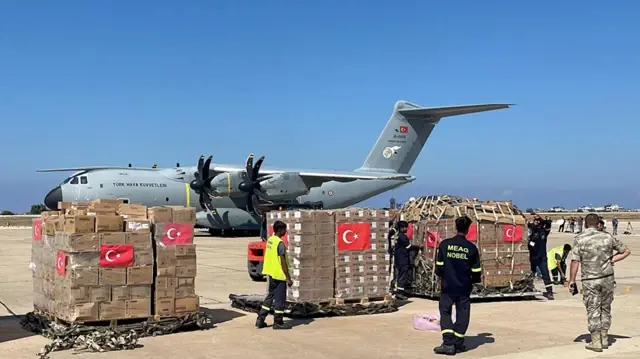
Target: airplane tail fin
(407,131)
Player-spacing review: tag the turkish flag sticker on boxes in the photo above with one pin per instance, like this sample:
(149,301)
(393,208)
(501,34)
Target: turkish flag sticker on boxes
(116,255)
(473,233)
(410,231)
(61,263)
(37,229)
(432,239)
(512,233)
(285,239)
(353,236)
(177,234)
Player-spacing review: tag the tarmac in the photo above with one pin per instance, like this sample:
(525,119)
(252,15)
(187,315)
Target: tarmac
(498,330)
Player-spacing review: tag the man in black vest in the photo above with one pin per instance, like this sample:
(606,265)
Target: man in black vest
(458,266)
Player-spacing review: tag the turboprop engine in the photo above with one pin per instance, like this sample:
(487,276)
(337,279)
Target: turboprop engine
(283,186)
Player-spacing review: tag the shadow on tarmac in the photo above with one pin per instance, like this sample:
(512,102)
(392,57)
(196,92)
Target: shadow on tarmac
(586,338)
(221,315)
(10,329)
(474,341)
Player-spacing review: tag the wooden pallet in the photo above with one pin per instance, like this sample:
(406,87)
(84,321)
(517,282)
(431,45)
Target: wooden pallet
(111,323)
(362,300)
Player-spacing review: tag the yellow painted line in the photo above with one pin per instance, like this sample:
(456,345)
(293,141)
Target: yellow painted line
(228,183)
(187,190)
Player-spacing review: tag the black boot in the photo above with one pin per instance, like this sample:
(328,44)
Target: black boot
(445,349)
(278,324)
(260,323)
(548,295)
(262,316)
(461,348)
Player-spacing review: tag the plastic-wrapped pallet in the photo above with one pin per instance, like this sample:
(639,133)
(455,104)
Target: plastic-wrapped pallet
(93,270)
(176,266)
(310,247)
(362,260)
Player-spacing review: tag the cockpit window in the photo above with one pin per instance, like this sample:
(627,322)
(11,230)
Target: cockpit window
(67,180)
(74,180)
(83,180)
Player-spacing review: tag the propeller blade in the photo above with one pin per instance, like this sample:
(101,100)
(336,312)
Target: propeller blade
(200,163)
(263,178)
(261,194)
(249,166)
(202,204)
(255,204)
(205,169)
(256,168)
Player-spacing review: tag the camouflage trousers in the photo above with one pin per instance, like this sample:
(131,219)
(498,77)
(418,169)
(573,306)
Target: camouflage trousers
(597,295)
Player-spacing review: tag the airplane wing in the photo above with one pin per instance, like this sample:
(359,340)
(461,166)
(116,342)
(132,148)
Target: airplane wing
(91,168)
(316,178)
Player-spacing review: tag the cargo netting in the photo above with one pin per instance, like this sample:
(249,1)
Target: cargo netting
(499,230)
(88,338)
(252,303)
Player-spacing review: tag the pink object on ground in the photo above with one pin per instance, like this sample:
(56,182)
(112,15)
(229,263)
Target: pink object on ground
(426,322)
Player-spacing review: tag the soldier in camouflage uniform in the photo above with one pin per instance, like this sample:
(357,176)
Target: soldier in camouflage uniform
(596,252)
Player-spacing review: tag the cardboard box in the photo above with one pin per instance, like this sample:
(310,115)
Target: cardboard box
(159,214)
(137,225)
(79,224)
(133,211)
(108,223)
(180,214)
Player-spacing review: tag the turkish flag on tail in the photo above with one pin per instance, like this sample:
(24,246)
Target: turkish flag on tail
(61,263)
(177,234)
(432,239)
(473,233)
(37,229)
(285,239)
(353,236)
(512,233)
(116,255)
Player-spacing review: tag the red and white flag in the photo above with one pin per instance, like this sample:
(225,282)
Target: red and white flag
(512,233)
(37,229)
(61,263)
(285,239)
(432,239)
(116,255)
(404,129)
(353,236)
(177,233)
(473,233)
(410,231)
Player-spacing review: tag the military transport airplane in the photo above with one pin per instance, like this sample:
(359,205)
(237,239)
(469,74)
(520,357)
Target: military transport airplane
(231,196)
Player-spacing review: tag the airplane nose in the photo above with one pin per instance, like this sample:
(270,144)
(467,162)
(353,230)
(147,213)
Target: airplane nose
(52,198)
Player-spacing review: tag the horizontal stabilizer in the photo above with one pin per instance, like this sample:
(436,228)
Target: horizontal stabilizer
(437,113)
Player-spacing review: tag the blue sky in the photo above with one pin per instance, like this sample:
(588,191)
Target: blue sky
(91,83)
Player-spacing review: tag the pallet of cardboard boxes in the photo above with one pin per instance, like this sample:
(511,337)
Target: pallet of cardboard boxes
(336,256)
(498,230)
(96,261)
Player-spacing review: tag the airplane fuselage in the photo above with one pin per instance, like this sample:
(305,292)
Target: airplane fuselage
(170,187)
